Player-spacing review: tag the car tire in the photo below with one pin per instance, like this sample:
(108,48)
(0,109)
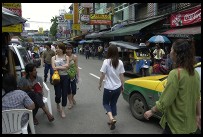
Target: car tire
(138,106)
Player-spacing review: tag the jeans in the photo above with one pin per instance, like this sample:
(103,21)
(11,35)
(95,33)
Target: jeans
(110,98)
(72,86)
(61,90)
(48,67)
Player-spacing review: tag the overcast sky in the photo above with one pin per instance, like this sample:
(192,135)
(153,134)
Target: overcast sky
(40,14)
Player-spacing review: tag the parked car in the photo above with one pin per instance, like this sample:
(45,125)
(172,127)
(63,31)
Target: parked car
(36,59)
(19,58)
(142,93)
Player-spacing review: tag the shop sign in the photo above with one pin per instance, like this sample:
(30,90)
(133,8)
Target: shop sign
(76,27)
(87,5)
(84,18)
(15,7)
(68,16)
(13,28)
(186,17)
(100,22)
(100,17)
(84,27)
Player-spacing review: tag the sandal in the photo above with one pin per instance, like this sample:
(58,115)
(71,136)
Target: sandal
(112,124)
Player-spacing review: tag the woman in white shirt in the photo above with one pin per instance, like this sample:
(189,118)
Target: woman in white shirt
(112,71)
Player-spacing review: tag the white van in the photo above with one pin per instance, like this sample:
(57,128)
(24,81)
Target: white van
(20,58)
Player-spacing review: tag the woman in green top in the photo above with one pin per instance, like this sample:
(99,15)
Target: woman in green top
(180,100)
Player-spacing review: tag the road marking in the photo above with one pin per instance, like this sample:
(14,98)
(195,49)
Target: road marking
(95,76)
(79,68)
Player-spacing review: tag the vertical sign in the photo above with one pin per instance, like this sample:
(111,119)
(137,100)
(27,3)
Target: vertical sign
(75,13)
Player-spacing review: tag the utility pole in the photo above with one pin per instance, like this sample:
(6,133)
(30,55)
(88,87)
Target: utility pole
(93,13)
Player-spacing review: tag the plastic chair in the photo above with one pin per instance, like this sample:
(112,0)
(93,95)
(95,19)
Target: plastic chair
(11,121)
(47,100)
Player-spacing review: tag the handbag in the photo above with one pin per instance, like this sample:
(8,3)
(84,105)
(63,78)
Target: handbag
(55,78)
(37,88)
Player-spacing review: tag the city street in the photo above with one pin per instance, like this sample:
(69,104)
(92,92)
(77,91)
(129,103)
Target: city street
(88,115)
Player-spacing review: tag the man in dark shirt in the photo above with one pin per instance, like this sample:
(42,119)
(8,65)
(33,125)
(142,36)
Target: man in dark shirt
(48,54)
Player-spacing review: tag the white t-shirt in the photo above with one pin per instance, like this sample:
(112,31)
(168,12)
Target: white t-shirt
(112,79)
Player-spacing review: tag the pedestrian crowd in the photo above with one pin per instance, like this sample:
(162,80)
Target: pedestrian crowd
(179,103)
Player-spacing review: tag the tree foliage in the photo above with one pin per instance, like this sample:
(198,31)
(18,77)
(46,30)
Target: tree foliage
(53,29)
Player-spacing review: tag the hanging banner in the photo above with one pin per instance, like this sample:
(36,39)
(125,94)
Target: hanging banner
(76,13)
(186,17)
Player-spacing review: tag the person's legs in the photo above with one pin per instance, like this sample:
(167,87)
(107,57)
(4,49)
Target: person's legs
(46,69)
(57,89)
(107,95)
(51,72)
(114,99)
(65,89)
(73,89)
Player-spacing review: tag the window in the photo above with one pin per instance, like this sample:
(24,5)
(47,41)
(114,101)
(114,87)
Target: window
(24,55)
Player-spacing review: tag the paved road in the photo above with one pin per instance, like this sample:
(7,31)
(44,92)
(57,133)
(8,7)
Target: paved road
(88,115)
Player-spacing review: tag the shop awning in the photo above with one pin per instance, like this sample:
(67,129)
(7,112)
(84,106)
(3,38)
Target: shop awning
(188,30)
(132,29)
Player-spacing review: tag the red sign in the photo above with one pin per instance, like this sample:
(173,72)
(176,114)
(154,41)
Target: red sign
(16,11)
(100,22)
(186,17)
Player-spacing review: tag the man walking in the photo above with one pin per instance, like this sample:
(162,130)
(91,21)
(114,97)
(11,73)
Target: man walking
(48,54)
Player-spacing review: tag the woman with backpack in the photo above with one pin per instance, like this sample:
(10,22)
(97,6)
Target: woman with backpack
(73,73)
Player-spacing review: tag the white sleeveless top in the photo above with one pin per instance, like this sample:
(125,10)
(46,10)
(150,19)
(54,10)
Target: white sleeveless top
(60,62)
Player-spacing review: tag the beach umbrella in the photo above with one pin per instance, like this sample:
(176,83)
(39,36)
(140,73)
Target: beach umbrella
(159,39)
(10,18)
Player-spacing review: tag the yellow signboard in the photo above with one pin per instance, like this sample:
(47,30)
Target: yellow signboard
(68,16)
(100,17)
(76,27)
(13,28)
(12,5)
(76,13)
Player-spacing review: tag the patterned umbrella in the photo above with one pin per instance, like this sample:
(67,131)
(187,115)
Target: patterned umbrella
(159,39)
(10,18)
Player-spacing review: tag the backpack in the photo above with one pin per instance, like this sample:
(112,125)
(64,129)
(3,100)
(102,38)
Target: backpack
(72,71)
